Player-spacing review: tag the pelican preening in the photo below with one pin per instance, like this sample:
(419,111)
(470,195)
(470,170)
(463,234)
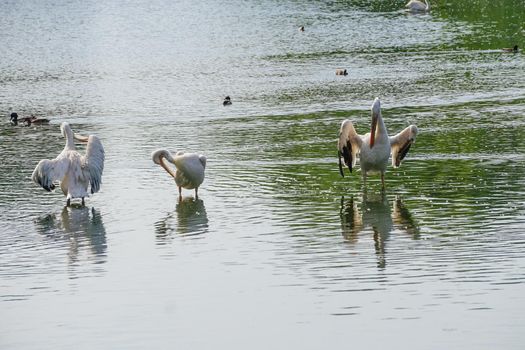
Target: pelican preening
(189,172)
(418,6)
(74,171)
(374,148)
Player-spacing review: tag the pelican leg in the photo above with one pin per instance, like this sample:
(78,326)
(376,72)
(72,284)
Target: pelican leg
(383,181)
(180,193)
(83,203)
(68,202)
(196,195)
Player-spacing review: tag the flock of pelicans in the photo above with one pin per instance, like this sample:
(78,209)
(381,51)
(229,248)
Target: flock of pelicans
(81,175)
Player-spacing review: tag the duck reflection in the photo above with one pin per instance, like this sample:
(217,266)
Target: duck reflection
(191,219)
(78,225)
(375,212)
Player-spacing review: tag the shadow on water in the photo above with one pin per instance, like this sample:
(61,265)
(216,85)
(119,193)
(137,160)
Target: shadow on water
(79,226)
(191,219)
(375,212)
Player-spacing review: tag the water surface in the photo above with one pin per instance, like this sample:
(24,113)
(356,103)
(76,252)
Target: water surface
(279,250)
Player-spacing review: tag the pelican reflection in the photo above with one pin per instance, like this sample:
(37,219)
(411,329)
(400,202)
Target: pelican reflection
(189,218)
(375,212)
(79,226)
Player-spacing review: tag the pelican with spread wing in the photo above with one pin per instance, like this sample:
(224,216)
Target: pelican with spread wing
(374,148)
(76,173)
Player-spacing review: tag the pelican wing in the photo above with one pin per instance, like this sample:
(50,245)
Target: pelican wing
(49,171)
(400,144)
(202,160)
(348,145)
(93,162)
(189,163)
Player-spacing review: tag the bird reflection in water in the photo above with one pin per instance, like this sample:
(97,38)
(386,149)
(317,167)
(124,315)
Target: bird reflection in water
(190,219)
(375,212)
(78,225)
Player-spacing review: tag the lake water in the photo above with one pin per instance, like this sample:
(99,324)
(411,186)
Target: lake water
(279,251)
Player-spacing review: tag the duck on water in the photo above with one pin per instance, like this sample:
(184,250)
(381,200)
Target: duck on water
(28,121)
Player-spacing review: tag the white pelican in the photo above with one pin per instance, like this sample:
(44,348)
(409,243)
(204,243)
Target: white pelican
(418,6)
(189,172)
(374,148)
(74,171)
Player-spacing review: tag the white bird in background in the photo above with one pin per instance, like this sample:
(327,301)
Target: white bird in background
(74,171)
(418,6)
(374,148)
(189,172)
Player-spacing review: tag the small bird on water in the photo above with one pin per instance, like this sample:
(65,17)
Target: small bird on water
(227,101)
(27,120)
(511,49)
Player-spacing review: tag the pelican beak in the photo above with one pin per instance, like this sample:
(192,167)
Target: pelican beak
(81,138)
(162,162)
(376,110)
(373,130)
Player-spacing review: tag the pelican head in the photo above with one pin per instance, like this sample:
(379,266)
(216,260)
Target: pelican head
(157,156)
(67,132)
(64,127)
(376,113)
